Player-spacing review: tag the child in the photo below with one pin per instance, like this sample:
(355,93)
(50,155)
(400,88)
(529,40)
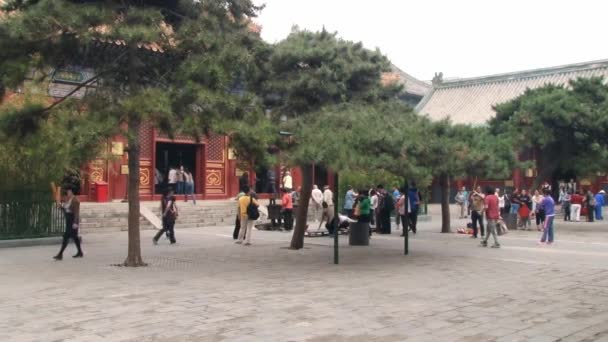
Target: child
(524,214)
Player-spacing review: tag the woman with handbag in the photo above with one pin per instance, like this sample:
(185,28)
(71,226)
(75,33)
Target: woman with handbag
(169,215)
(71,211)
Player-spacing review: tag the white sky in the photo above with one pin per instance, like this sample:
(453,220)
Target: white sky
(461,38)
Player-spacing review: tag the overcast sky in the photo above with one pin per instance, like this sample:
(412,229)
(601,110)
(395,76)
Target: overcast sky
(461,38)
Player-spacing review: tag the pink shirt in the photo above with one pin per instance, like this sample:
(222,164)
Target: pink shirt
(287,201)
(492,210)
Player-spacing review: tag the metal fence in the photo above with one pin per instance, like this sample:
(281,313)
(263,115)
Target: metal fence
(29,214)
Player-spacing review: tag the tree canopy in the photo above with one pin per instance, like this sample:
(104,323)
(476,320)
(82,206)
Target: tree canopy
(564,126)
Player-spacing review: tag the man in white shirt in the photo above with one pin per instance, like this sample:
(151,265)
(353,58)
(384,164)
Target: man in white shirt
(316,201)
(328,196)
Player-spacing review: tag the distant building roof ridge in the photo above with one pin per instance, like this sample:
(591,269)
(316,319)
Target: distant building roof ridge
(537,72)
(412,84)
(471,100)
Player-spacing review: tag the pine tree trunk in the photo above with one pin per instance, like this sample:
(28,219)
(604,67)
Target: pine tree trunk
(134,122)
(444,182)
(297,240)
(134,253)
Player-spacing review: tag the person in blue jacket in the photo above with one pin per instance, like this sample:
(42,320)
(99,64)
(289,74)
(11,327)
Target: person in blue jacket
(600,201)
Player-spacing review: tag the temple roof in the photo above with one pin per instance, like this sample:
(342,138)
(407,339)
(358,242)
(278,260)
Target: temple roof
(470,100)
(411,84)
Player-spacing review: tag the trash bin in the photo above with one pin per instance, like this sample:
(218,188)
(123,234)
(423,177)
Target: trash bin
(274,214)
(510,221)
(101,192)
(358,234)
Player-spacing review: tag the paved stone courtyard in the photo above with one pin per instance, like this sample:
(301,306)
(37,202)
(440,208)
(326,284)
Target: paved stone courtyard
(206,288)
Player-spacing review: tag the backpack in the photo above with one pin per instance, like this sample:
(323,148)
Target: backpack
(253,212)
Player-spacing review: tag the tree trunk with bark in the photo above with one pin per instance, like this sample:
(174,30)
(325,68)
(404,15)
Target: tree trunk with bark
(297,240)
(134,122)
(134,253)
(444,183)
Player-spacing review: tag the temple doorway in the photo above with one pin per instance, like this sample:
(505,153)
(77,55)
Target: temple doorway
(174,155)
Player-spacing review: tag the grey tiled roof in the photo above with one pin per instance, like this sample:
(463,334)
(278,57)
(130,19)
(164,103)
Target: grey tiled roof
(411,84)
(470,100)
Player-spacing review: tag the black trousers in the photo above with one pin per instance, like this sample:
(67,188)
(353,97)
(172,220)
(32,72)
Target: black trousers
(477,217)
(70,233)
(288,219)
(590,213)
(237,227)
(386,221)
(405,222)
(566,207)
(540,217)
(412,219)
(168,226)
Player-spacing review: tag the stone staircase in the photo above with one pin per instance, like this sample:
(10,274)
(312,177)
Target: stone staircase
(107,217)
(203,214)
(113,217)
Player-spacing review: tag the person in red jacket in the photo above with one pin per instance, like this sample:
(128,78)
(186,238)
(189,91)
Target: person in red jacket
(492,211)
(575,207)
(287,206)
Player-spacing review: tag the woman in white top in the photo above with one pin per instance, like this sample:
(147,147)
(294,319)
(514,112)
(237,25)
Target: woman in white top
(501,201)
(374,206)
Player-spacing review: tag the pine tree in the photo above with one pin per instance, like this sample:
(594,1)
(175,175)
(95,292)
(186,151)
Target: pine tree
(177,64)
(309,71)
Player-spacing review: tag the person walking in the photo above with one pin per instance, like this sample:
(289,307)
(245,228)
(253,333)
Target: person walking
(189,181)
(492,212)
(590,203)
(566,205)
(71,212)
(477,213)
(412,208)
(576,206)
(600,201)
(538,211)
(316,199)
(287,209)
(169,214)
(246,222)
(349,201)
(548,206)
(461,202)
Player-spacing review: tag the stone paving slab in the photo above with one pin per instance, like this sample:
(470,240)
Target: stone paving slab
(206,288)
